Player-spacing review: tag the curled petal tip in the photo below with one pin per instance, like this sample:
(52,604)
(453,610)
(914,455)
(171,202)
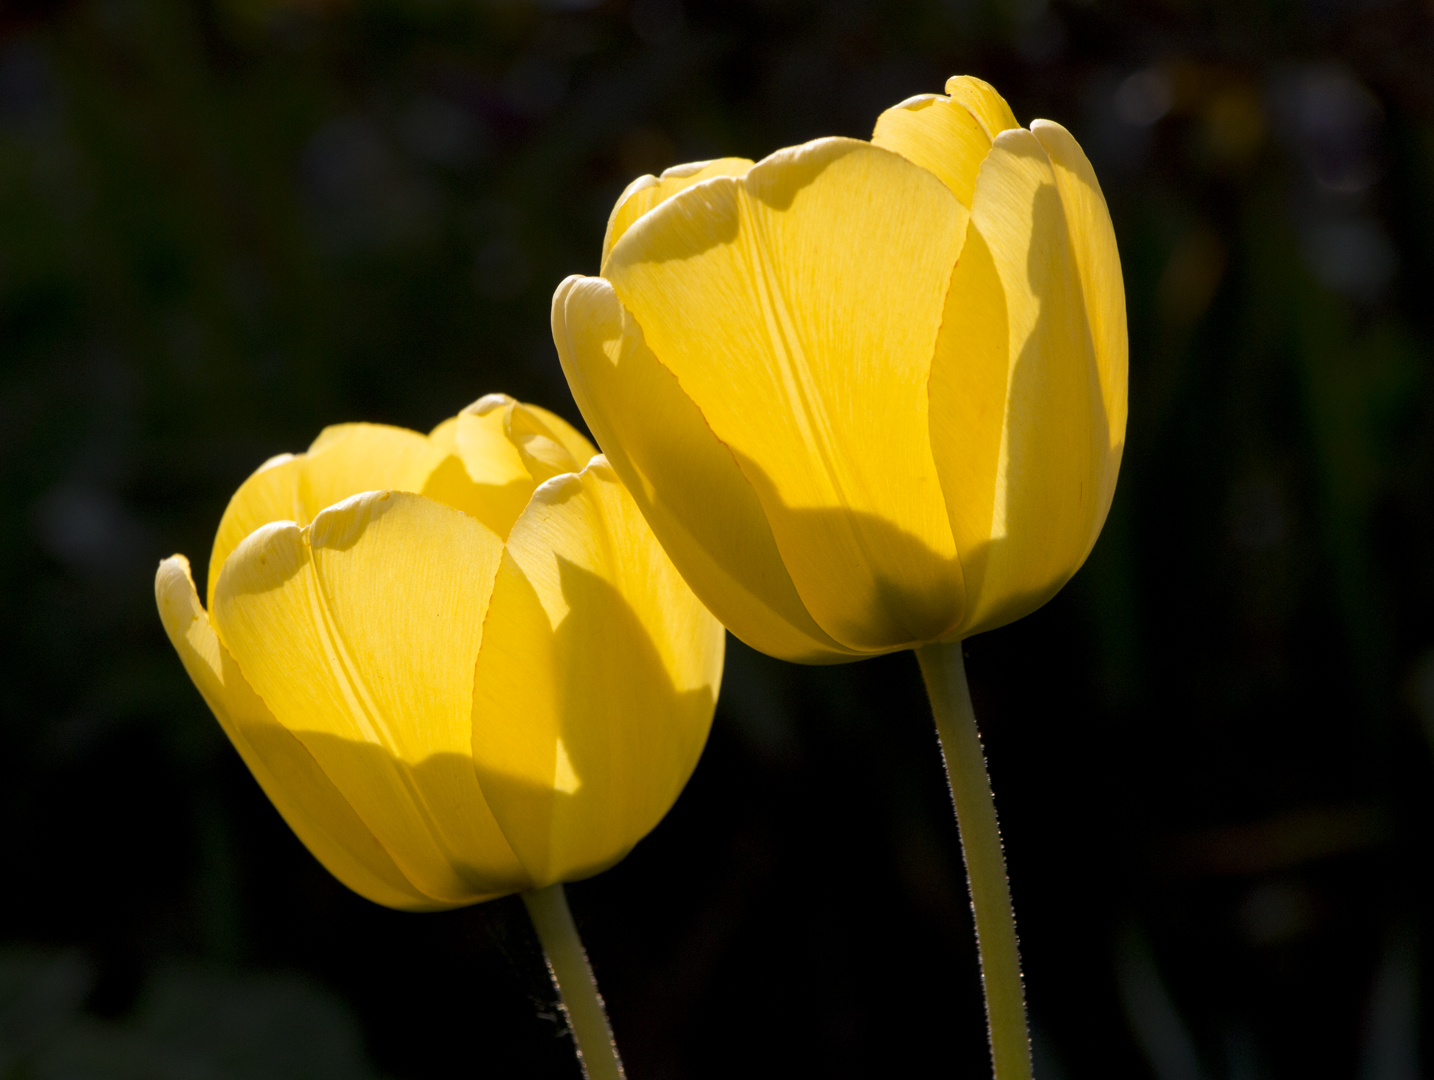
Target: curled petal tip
(486,404)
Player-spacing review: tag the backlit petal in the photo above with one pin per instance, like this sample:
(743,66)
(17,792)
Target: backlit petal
(940,135)
(344,460)
(980,97)
(319,815)
(349,458)
(798,307)
(969,374)
(596,681)
(1096,257)
(647,191)
(495,452)
(481,471)
(1054,443)
(544,455)
(573,440)
(687,484)
(270,494)
(360,633)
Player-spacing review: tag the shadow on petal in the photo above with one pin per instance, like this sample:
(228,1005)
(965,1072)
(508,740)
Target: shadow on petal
(579,766)
(495,505)
(435,773)
(873,586)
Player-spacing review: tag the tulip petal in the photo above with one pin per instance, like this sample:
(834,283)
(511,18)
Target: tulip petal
(319,815)
(969,373)
(344,460)
(798,307)
(1053,444)
(349,458)
(543,455)
(648,191)
(940,135)
(360,633)
(481,471)
(270,494)
(493,454)
(986,105)
(1096,257)
(596,681)
(687,484)
(573,441)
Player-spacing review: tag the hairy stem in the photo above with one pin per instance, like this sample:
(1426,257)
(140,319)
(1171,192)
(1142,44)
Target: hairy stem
(573,976)
(945,674)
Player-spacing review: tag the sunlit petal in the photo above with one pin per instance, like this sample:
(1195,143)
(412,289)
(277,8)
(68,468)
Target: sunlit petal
(360,633)
(480,470)
(798,308)
(319,815)
(543,454)
(574,441)
(938,134)
(686,482)
(495,452)
(270,494)
(596,681)
(648,191)
(969,374)
(349,458)
(1096,257)
(986,105)
(1055,440)
(344,460)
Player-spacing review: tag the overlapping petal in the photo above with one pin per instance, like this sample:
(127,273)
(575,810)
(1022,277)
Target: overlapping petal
(314,808)
(360,634)
(940,135)
(269,494)
(486,462)
(798,308)
(1054,440)
(495,452)
(985,104)
(349,458)
(686,482)
(595,683)
(480,471)
(646,192)
(344,460)
(1093,246)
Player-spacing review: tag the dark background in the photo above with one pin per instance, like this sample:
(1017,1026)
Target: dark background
(225,224)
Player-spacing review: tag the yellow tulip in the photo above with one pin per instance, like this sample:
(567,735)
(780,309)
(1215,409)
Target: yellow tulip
(869,395)
(459,664)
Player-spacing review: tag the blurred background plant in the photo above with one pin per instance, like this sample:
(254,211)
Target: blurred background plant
(224,224)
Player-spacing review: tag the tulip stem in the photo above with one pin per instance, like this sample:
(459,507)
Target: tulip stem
(945,674)
(573,976)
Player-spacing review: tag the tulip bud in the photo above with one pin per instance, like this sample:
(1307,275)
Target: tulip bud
(459,664)
(868,394)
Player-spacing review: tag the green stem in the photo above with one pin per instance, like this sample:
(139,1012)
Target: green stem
(945,675)
(573,976)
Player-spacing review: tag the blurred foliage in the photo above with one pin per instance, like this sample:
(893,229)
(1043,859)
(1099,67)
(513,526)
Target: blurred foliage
(227,223)
(188,1024)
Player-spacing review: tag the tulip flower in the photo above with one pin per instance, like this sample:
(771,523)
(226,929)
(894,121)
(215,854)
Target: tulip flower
(870,395)
(459,664)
